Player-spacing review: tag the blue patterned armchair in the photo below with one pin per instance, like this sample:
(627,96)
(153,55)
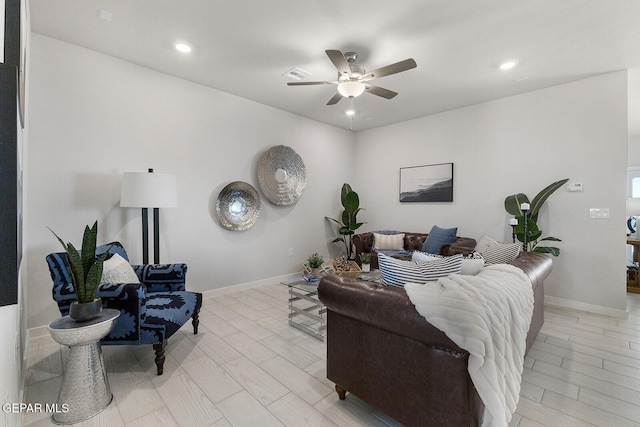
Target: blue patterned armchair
(150,311)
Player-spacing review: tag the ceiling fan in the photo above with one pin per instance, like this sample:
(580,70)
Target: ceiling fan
(352,79)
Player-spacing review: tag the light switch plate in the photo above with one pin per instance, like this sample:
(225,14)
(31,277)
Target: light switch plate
(574,186)
(599,213)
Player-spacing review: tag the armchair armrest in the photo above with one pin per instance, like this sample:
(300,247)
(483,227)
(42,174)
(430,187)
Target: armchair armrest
(162,277)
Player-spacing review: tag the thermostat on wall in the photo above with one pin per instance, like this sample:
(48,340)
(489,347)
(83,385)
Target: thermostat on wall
(574,186)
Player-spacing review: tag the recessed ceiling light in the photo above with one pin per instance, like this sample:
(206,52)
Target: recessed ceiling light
(350,112)
(185,48)
(508,64)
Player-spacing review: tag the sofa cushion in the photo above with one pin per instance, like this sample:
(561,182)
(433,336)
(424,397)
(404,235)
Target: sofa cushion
(393,242)
(118,270)
(495,252)
(397,272)
(438,237)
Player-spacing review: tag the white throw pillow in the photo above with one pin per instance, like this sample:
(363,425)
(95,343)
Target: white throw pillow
(118,270)
(419,256)
(393,242)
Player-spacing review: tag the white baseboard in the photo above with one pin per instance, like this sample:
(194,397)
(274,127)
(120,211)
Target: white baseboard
(583,306)
(249,285)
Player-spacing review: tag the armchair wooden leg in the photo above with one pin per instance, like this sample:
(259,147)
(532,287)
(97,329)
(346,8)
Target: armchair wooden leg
(195,321)
(159,348)
(342,393)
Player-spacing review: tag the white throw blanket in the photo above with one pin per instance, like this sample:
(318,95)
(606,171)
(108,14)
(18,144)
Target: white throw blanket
(489,316)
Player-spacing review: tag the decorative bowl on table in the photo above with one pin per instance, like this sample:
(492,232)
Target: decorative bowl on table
(345,267)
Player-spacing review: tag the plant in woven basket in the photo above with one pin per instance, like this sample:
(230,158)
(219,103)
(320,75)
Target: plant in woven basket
(349,224)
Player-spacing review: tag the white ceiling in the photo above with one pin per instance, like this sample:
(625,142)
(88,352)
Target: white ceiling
(244,46)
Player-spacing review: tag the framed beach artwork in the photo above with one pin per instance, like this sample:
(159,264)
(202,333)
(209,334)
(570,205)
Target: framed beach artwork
(430,183)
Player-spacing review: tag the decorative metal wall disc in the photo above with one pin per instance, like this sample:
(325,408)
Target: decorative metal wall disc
(238,206)
(281,175)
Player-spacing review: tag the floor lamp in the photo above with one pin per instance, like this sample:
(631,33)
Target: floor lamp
(149,190)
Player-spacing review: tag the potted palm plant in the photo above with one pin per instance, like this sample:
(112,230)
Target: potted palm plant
(349,224)
(85,270)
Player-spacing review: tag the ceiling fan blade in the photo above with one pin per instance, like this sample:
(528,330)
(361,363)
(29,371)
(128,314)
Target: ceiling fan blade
(336,98)
(309,83)
(380,91)
(340,63)
(398,67)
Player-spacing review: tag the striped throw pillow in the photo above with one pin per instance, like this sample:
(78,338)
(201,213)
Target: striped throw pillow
(471,265)
(495,252)
(397,272)
(388,241)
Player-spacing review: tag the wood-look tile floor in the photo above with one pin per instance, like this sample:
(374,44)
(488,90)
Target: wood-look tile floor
(248,367)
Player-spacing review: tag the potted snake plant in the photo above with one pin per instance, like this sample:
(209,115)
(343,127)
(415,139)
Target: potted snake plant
(85,271)
(365,260)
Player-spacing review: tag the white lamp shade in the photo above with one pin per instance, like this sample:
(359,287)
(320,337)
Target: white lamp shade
(148,190)
(350,89)
(633,207)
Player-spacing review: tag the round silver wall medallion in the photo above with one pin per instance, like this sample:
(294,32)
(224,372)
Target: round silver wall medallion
(281,175)
(238,206)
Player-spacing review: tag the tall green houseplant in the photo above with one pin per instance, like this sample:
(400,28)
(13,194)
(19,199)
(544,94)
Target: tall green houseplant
(85,269)
(349,224)
(534,234)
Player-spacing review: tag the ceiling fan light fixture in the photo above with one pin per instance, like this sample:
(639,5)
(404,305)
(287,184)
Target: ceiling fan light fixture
(351,89)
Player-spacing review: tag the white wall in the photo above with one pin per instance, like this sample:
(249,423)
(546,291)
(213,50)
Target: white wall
(93,117)
(634,118)
(519,144)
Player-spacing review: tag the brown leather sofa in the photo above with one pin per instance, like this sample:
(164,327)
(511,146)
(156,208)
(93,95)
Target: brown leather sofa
(363,242)
(380,349)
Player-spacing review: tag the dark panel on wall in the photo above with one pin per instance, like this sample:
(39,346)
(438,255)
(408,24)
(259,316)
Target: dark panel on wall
(12,32)
(10,182)
(8,185)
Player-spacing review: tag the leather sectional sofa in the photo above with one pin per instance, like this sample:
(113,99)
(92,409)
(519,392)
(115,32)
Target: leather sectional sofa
(380,349)
(363,242)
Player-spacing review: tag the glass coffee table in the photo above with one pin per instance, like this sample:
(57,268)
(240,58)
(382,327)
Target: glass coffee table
(306,311)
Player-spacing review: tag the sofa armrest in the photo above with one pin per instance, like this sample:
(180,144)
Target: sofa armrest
(363,243)
(385,307)
(462,245)
(162,277)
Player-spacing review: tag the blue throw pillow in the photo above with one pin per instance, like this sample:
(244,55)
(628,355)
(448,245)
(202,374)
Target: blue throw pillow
(438,237)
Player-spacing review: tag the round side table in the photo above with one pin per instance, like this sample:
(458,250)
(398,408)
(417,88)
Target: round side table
(85,389)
